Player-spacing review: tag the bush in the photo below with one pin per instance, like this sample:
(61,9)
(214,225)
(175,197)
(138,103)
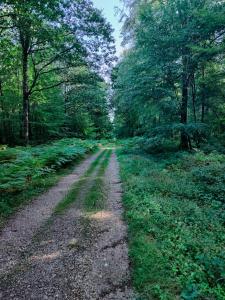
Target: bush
(151,145)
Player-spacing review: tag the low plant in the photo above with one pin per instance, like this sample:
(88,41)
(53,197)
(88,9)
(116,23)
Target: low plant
(174,206)
(26,171)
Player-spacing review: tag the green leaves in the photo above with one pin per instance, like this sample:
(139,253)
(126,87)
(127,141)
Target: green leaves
(171,72)
(45,47)
(21,168)
(176,224)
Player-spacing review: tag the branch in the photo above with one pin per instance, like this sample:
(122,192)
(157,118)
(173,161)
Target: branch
(217,37)
(48,87)
(56,57)
(53,70)
(36,75)
(6,27)
(40,72)
(39,49)
(7,15)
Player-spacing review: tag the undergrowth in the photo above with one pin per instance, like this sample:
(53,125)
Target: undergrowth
(174,206)
(26,172)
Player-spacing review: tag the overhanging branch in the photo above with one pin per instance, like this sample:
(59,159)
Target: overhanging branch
(48,87)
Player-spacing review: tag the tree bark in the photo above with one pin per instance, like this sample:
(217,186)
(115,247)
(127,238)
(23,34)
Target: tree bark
(4,127)
(66,99)
(193,89)
(25,96)
(184,140)
(203,95)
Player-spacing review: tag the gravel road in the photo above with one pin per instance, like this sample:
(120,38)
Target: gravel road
(76,255)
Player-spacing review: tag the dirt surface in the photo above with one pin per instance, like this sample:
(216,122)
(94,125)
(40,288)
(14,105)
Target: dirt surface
(77,255)
(19,231)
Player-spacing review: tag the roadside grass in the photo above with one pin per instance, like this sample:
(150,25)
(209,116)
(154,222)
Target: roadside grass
(75,189)
(175,210)
(96,197)
(27,172)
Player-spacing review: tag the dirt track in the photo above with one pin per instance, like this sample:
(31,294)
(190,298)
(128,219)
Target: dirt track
(77,255)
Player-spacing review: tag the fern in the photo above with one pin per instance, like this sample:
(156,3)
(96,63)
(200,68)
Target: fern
(21,168)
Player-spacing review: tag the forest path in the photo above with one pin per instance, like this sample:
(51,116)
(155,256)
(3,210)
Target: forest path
(18,232)
(79,254)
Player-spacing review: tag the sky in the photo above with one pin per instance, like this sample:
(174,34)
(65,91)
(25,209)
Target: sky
(108,8)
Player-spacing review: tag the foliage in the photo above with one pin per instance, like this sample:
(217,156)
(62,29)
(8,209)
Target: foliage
(174,206)
(52,58)
(23,168)
(171,78)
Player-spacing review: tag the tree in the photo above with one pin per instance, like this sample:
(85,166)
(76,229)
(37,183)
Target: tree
(171,42)
(51,38)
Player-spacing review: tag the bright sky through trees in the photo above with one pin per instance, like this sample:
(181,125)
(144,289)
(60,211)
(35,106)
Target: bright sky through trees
(109,9)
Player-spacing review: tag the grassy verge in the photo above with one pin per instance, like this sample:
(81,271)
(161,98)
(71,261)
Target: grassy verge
(75,189)
(95,199)
(175,210)
(27,172)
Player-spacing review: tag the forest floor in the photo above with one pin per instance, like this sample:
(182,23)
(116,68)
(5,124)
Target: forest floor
(70,242)
(174,208)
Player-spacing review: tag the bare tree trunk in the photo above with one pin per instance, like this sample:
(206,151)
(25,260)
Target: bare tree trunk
(184,140)
(193,90)
(203,95)
(66,99)
(3,139)
(25,97)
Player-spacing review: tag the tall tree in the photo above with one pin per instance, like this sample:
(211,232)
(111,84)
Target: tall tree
(53,37)
(172,41)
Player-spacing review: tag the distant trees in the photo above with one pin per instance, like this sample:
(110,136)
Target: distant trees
(44,49)
(176,49)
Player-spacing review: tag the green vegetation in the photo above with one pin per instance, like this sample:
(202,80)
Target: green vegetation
(169,84)
(95,163)
(75,189)
(53,56)
(174,206)
(25,172)
(169,96)
(95,198)
(166,94)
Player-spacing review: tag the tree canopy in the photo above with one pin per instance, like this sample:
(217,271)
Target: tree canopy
(53,56)
(170,80)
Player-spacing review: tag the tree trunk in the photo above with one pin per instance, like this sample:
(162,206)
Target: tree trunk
(24,32)
(193,89)
(66,98)
(203,95)
(25,97)
(184,141)
(4,128)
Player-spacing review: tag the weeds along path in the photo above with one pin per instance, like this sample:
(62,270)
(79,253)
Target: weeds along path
(81,252)
(17,234)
